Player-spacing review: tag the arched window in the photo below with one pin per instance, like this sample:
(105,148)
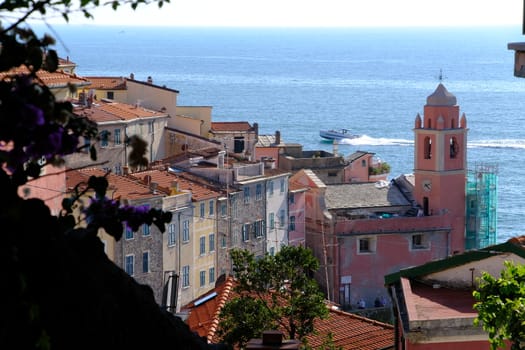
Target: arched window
(428,148)
(454,147)
(429,123)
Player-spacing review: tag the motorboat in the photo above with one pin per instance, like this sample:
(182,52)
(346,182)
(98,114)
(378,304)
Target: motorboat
(338,134)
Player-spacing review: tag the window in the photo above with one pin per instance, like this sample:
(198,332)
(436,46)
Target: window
(202,278)
(118,169)
(454,148)
(186,230)
(117,137)
(283,186)
(186,276)
(223,241)
(202,245)
(224,209)
(129,264)
(419,242)
(129,232)
(145,229)
(104,138)
(428,148)
(150,127)
(272,251)
(246,232)
(145,262)
(110,95)
(281,217)
(363,163)
(171,234)
(246,195)
(234,206)
(211,208)
(272,221)
(292,223)
(291,198)
(238,144)
(366,245)
(258,192)
(259,228)
(211,274)
(270,188)
(202,210)
(211,246)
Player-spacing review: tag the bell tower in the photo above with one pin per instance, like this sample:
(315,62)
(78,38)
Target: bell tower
(440,163)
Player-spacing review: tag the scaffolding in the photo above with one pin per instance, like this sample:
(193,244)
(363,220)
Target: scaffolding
(481,214)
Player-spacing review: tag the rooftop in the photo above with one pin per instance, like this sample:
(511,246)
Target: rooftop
(349,331)
(56,79)
(107,83)
(363,195)
(101,111)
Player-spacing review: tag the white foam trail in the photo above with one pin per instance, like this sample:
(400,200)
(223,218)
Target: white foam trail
(504,143)
(371,141)
(381,141)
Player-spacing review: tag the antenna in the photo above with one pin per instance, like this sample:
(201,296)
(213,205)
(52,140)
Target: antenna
(441,77)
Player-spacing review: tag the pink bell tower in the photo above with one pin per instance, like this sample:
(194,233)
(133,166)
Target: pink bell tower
(440,163)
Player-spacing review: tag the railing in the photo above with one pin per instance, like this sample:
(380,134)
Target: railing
(396,224)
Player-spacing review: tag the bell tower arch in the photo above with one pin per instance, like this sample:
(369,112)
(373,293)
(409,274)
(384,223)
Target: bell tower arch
(440,163)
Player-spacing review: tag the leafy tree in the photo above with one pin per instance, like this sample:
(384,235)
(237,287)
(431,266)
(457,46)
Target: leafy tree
(500,303)
(273,292)
(59,289)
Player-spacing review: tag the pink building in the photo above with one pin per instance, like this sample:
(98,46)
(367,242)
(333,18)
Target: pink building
(296,212)
(361,232)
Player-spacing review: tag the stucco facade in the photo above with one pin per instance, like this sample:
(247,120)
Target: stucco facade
(362,231)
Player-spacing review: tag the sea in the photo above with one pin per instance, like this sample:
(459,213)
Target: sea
(373,81)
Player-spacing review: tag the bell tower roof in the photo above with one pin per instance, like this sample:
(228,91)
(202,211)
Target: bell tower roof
(441,97)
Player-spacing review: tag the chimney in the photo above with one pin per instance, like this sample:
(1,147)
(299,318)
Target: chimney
(277,137)
(272,340)
(336,148)
(150,80)
(220,161)
(256,129)
(125,170)
(82,98)
(153,187)
(132,76)
(174,187)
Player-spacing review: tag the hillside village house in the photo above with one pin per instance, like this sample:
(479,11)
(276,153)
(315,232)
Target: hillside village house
(186,251)
(190,248)
(256,214)
(116,122)
(433,302)
(138,253)
(363,231)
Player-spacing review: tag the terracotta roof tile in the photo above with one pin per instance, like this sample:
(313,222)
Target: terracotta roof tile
(165,180)
(231,126)
(349,331)
(101,111)
(107,83)
(121,186)
(52,80)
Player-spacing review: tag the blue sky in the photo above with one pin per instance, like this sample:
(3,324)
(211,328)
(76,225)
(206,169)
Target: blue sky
(316,13)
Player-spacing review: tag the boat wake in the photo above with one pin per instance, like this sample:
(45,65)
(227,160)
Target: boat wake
(381,141)
(372,141)
(504,143)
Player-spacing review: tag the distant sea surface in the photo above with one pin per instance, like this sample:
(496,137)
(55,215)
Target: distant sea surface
(373,81)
